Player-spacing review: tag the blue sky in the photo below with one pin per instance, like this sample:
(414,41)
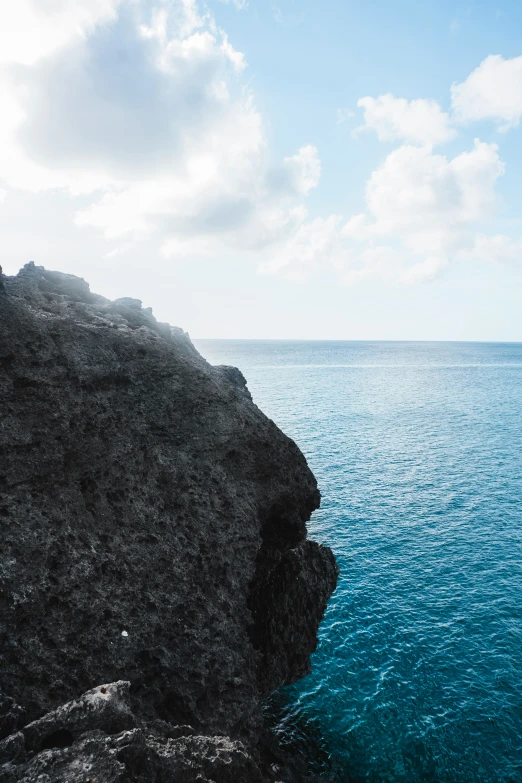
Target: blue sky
(292,169)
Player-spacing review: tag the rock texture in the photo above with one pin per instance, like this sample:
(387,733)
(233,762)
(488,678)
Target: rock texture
(95,740)
(153,532)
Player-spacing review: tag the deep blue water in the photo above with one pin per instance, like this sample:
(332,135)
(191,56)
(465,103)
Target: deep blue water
(417,448)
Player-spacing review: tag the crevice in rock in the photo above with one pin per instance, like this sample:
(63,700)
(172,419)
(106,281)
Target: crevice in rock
(62,738)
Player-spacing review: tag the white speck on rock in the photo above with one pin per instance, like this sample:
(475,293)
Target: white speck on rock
(124,633)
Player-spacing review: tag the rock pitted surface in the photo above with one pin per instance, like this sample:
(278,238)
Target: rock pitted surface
(153,532)
(95,740)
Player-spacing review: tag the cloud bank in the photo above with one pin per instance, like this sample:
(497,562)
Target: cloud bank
(143,108)
(141,112)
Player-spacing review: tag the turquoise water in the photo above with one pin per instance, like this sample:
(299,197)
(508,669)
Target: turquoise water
(417,448)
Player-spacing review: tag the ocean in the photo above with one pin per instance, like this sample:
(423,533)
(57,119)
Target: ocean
(417,449)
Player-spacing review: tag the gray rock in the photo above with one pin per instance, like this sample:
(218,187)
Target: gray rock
(128,301)
(106,708)
(12,747)
(154,522)
(85,745)
(137,756)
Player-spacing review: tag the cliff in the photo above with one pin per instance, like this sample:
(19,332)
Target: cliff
(153,534)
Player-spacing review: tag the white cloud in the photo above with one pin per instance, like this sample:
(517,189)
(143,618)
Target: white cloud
(425,208)
(343,115)
(139,107)
(492,91)
(415,189)
(269,226)
(424,212)
(386,263)
(418,122)
(305,169)
(210,188)
(298,174)
(32,29)
(498,248)
(240,4)
(313,246)
(126,103)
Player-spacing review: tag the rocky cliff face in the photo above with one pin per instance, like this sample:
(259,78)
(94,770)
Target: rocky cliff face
(153,532)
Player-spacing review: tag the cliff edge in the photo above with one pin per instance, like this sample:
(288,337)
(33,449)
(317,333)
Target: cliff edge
(156,579)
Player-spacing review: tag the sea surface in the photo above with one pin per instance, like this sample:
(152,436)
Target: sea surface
(417,448)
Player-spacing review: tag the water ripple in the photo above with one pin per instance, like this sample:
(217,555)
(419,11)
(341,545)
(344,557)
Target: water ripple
(417,448)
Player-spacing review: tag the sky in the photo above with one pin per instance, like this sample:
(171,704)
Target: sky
(348,169)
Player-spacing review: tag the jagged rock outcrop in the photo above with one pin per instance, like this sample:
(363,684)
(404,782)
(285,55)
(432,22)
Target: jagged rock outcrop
(153,531)
(95,740)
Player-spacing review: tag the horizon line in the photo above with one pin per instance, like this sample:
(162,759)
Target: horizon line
(349,340)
